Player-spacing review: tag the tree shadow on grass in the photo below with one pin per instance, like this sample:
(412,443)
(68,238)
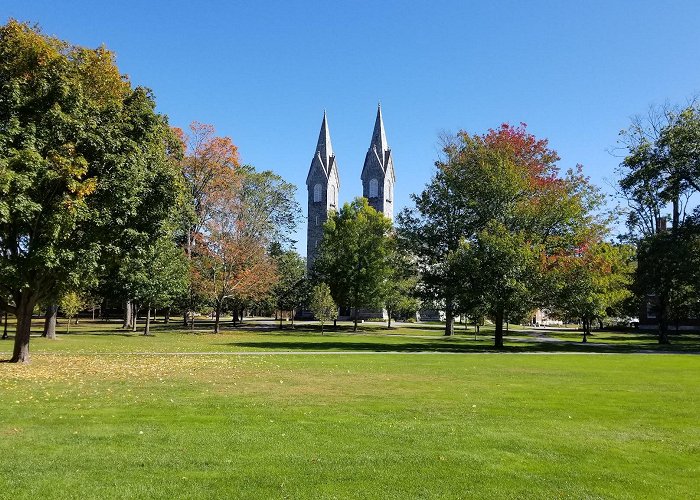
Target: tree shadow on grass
(460,347)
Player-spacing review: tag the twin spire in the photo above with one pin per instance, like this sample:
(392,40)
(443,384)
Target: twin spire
(324,148)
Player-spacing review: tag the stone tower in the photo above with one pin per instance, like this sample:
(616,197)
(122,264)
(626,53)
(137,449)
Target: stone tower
(322,184)
(378,171)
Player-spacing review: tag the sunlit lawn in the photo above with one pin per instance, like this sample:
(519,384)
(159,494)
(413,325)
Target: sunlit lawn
(86,419)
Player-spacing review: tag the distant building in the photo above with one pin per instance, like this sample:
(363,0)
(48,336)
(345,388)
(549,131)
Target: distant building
(323,186)
(323,182)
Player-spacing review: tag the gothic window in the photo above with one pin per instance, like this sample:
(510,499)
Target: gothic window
(389,191)
(317,193)
(317,220)
(373,188)
(334,196)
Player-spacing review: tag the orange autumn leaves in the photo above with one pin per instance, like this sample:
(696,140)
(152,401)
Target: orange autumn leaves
(229,259)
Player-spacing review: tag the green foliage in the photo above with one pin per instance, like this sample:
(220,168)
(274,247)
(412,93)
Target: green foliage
(322,304)
(662,171)
(668,275)
(158,275)
(662,167)
(484,229)
(594,282)
(85,176)
(400,287)
(355,255)
(70,304)
(502,271)
(269,208)
(291,288)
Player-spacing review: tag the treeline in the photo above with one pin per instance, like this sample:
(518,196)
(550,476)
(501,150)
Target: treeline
(102,200)
(500,231)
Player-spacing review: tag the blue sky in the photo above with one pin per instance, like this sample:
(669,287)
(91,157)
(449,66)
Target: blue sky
(263,72)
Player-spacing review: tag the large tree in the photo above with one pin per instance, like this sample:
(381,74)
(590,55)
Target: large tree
(501,272)
(661,173)
(487,190)
(210,170)
(83,156)
(232,263)
(355,256)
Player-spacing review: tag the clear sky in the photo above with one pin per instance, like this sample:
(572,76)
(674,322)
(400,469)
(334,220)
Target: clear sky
(263,72)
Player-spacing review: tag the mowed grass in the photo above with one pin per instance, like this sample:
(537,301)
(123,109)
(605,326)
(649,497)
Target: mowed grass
(92,337)
(86,419)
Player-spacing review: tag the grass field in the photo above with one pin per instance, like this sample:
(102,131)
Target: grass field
(258,413)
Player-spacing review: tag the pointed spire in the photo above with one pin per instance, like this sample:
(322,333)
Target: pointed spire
(324,146)
(379,135)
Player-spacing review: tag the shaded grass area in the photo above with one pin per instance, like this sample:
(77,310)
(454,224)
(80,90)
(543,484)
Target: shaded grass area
(264,335)
(361,426)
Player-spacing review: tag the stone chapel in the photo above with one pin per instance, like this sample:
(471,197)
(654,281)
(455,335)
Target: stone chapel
(323,182)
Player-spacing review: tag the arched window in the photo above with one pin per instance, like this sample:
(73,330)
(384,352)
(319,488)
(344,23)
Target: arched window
(373,188)
(317,193)
(389,191)
(334,196)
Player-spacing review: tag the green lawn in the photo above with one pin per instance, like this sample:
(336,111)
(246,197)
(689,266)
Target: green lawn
(89,419)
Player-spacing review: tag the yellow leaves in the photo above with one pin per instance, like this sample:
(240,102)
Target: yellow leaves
(100,75)
(72,167)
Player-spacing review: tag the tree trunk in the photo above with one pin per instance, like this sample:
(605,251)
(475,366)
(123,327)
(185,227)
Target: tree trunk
(50,322)
(321,327)
(354,328)
(134,315)
(292,317)
(388,313)
(675,221)
(585,324)
(147,330)
(127,315)
(449,319)
(4,328)
(166,316)
(25,303)
(335,323)
(185,318)
(280,319)
(217,318)
(663,321)
(498,335)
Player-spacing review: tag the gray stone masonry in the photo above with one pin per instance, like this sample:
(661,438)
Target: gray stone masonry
(378,171)
(323,185)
